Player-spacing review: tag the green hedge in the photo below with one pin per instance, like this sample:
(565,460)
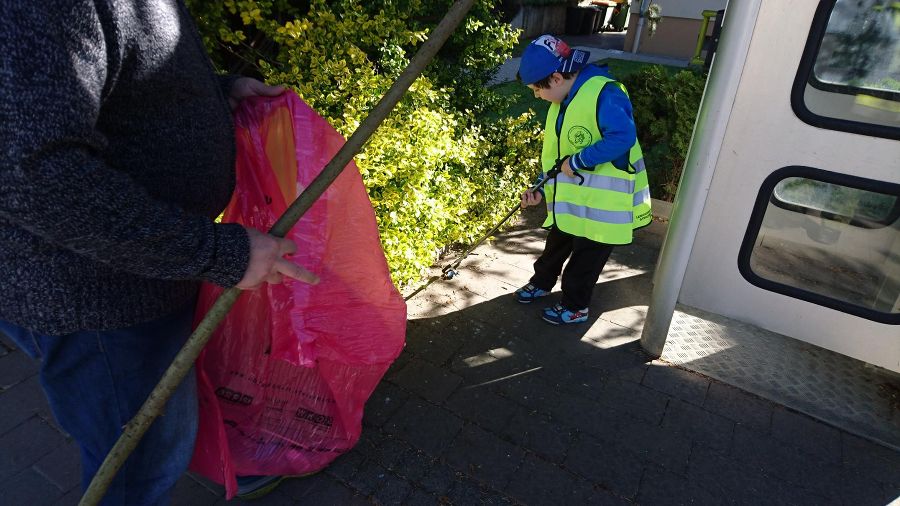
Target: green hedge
(665,109)
(438,171)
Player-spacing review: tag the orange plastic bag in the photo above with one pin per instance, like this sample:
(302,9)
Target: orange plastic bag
(283,381)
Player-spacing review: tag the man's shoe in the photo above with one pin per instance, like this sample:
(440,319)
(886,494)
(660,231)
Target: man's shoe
(559,315)
(254,487)
(528,293)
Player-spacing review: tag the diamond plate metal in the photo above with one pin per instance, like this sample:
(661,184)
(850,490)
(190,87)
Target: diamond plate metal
(834,388)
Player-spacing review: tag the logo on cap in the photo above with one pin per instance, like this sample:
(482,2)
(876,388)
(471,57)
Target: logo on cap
(556,46)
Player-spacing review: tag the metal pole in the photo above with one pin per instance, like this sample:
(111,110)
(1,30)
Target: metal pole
(181,365)
(640,26)
(699,167)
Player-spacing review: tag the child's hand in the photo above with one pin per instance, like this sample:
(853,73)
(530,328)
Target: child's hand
(566,168)
(531,198)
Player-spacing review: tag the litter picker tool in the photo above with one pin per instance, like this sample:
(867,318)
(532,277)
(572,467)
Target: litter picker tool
(449,271)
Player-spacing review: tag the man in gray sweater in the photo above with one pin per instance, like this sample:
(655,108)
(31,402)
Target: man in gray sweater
(118,154)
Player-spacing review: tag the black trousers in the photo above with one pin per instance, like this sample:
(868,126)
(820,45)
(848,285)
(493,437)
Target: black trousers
(586,261)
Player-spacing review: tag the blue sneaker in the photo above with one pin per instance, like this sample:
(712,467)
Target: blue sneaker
(560,315)
(528,293)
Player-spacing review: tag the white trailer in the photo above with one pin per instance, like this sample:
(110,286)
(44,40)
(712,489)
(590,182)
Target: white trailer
(786,218)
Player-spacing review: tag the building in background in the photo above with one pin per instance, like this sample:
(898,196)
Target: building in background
(677,33)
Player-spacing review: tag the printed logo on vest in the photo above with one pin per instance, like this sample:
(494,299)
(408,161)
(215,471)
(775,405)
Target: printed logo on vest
(579,137)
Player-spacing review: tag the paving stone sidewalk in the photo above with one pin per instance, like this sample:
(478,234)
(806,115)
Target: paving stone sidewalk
(489,405)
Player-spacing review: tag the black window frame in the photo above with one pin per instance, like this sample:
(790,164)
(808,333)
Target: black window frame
(853,221)
(806,76)
(766,190)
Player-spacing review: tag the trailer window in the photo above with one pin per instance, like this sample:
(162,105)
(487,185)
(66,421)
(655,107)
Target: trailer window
(828,238)
(849,77)
(859,208)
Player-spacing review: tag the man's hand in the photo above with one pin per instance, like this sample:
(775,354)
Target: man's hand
(248,87)
(267,263)
(531,198)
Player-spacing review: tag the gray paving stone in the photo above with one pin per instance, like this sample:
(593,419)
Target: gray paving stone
(433,342)
(738,405)
(345,467)
(732,480)
(772,457)
(581,413)
(384,402)
(627,399)
(425,426)
(651,443)
(854,488)
(471,404)
(871,459)
(632,291)
(26,444)
(275,498)
(371,444)
(699,425)
(468,491)
(440,478)
(679,383)
(62,466)
(811,436)
(661,487)
(626,362)
(413,465)
(394,491)
(427,380)
(383,448)
(72,498)
(22,402)
(484,456)
(15,368)
(632,317)
(398,364)
(528,390)
(602,497)
(320,490)
(540,434)
(541,482)
(607,463)
(188,492)
(370,477)
(608,332)
(28,488)
(419,497)
(489,361)
(891,493)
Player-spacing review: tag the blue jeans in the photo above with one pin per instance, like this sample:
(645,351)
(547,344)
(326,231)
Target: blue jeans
(96,382)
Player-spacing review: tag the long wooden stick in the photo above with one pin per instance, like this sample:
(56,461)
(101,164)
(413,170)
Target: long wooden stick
(182,363)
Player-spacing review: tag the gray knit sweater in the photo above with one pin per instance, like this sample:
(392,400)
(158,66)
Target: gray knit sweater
(117,153)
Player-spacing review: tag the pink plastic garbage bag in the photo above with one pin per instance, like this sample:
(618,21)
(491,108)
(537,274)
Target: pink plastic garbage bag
(283,381)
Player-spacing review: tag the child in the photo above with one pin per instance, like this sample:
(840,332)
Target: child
(601,194)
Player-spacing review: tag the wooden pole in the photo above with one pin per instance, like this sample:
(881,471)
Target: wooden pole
(181,365)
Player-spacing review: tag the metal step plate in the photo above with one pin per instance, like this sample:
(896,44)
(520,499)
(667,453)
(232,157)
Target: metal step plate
(847,393)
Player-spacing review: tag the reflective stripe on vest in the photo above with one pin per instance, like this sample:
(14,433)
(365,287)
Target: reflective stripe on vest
(610,202)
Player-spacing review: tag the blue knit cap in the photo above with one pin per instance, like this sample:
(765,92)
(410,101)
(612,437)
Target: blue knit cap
(548,54)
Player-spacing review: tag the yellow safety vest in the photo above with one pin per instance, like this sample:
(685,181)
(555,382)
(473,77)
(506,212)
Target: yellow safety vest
(611,203)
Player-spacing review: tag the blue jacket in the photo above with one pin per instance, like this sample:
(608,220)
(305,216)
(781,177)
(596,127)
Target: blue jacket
(614,116)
